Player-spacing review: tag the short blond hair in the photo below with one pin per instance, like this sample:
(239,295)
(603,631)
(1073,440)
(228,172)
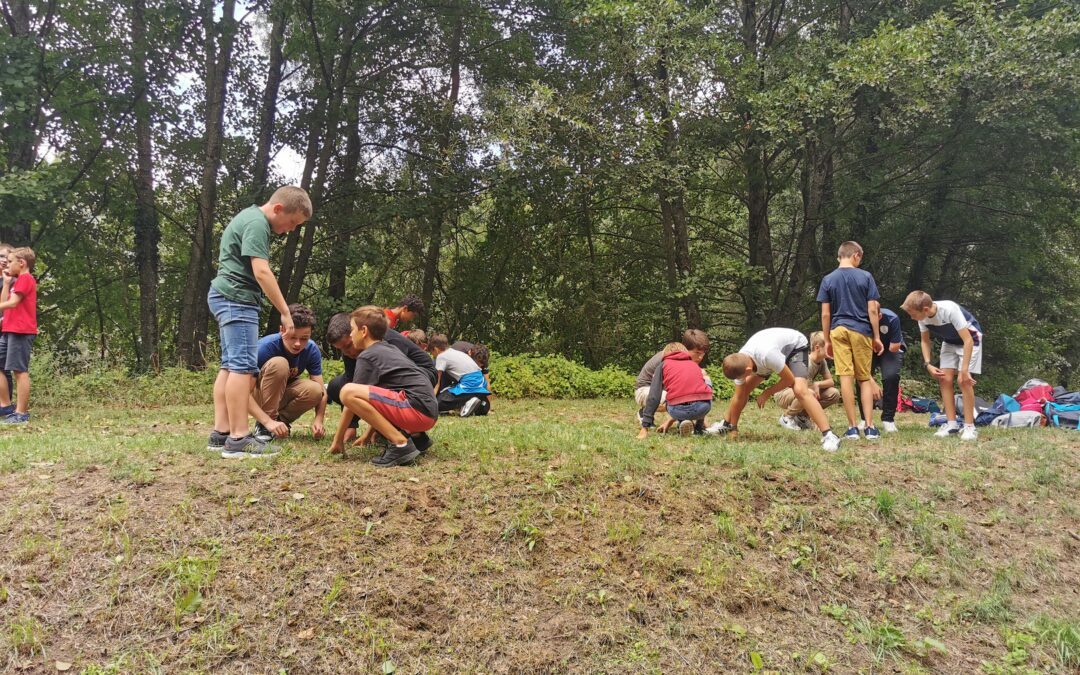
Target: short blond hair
(817,339)
(849,249)
(917,300)
(735,365)
(26,254)
(374,318)
(672,347)
(293,199)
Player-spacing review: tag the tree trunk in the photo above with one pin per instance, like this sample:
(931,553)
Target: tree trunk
(756,187)
(438,201)
(339,256)
(194,312)
(340,76)
(147,229)
(268,107)
(672,205)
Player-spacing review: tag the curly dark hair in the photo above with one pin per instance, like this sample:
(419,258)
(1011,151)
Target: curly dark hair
(481,355)
(412,302)
(302,316)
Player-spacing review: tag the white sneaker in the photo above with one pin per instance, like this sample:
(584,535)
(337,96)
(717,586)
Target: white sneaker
(969,434)
(947,429)
(862,425)
(721,427)
(470,406)
(789,423)
(830,442)
(889,427)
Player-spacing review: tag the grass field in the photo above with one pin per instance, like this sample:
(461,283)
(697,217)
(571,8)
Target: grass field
(543,538)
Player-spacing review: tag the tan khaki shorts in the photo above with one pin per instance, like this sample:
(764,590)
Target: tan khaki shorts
(853,353)
(641,395)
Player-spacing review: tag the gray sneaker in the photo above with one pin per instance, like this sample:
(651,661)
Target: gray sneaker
(217,441)
(686,427)
(248,446)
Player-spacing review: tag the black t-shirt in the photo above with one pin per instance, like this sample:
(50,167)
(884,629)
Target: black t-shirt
(418,356)
(462,346)
(383,365)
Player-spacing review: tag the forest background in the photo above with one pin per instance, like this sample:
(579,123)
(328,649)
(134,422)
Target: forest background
(574,177)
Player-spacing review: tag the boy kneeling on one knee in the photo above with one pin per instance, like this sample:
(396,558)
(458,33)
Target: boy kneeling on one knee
(389,392)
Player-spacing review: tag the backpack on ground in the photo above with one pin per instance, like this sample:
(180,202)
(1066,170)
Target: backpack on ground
(1020,418)
(921,404)
(1003,404)
(1063,415)
(1063,396)
(1035,398)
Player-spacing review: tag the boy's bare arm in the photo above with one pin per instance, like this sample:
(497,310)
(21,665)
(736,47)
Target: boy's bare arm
(268,283)
(969,346)
(9,302)
(826,321)
(8,281)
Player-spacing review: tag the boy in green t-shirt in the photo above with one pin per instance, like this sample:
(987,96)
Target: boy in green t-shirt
(234,299)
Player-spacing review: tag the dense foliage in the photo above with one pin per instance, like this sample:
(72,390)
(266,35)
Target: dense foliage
(579,178)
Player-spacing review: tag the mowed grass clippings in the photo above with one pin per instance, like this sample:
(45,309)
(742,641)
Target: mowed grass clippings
(543,538)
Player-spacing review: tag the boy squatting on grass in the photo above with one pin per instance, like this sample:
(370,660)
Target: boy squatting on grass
(849,319)
(773,350)
(961,354)
(389,392)
(234,299)
(689,396)
(889,362)
(696,343)
(460,383)
(281,396)
(18,300)
(794,416)
(339,334)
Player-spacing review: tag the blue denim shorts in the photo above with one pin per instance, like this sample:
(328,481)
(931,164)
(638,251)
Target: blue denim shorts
(694,410)
(238,326)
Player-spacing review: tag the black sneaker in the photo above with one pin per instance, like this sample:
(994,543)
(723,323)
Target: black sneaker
(422,442)
(217,441)
(470,406)
(248,446)
(397,455)
(262,433)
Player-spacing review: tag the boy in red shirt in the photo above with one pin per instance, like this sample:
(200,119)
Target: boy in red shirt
(689,395)
(18,300)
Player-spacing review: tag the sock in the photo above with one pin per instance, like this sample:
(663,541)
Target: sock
(826,432)
(401,445)
(969,426)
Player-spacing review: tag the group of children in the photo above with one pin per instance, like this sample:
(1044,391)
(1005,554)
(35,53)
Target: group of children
(857,333)
(398,385)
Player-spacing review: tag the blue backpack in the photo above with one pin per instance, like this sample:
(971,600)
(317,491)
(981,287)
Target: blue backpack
(1003,404)
(1063,415)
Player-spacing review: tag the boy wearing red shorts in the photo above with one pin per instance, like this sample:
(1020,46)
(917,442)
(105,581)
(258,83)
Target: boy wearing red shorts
(389,392)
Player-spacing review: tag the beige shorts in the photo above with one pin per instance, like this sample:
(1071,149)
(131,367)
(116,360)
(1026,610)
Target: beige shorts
(641,395)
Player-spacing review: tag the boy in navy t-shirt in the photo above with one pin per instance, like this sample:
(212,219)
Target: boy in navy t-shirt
(849,319)
(280,396)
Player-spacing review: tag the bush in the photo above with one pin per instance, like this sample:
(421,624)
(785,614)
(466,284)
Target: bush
(537,376)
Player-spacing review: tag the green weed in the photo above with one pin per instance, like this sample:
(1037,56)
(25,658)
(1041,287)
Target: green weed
(25,635)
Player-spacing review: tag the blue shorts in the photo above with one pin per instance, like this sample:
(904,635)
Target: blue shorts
(694,410)
(238,327)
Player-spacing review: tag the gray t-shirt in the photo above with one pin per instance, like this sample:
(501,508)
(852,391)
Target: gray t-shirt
(770,349)
(644,378)
(455,364)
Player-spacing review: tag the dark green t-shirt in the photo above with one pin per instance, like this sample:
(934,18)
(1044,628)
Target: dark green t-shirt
(247,236)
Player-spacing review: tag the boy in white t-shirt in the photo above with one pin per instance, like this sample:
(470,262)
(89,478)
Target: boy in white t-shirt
(961,354)
(461,383)
(774,350)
